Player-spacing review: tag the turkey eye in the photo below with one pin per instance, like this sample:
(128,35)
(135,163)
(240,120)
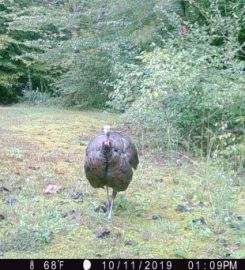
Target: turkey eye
(116,150)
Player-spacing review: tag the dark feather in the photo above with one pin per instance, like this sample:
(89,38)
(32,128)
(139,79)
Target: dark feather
(111,165)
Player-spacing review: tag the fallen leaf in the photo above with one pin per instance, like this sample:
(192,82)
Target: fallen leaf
(4,189)
(157,217)
(223,242)
(77,196)
(74,214)
(131,242)
(233,247)
(117,231)
(101,208)
(34,168)
(183,208)
(104,232)
(180,253)
(201,204)
(200,221)
(12,201)
(52,189)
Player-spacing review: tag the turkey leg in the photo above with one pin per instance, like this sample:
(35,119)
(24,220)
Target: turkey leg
(108,199)
(114,194)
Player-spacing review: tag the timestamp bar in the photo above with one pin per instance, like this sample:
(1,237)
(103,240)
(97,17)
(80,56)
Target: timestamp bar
(122,264)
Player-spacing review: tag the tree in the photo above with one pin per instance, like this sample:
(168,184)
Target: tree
(20,67)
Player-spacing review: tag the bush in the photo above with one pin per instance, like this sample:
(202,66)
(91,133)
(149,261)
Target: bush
(35,97)
(189,93)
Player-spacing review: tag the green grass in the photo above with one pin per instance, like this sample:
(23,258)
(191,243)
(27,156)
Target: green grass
(41,146)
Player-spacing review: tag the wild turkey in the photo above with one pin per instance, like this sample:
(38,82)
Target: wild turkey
(110,158)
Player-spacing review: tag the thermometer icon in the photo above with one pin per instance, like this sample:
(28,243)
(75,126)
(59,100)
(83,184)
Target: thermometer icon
(32,265)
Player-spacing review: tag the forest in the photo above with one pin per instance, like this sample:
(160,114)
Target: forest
(169,73)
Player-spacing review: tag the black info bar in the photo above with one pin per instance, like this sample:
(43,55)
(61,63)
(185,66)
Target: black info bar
(122,264)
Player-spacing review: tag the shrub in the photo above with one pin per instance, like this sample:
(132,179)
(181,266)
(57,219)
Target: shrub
(35,97)
(189,93)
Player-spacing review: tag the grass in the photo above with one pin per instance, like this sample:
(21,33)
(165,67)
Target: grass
(187,209)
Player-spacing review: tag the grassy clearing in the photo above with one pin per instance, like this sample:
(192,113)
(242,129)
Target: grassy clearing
(181,209)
